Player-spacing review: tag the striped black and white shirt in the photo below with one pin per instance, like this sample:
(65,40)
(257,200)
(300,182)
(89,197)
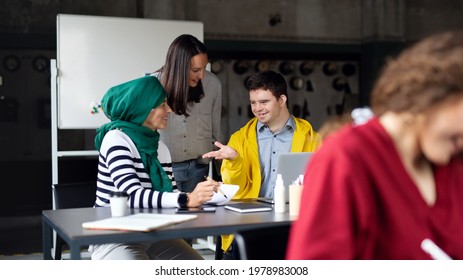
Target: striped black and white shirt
(120,168)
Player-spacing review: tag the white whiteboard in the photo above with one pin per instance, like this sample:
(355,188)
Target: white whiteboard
(95,53)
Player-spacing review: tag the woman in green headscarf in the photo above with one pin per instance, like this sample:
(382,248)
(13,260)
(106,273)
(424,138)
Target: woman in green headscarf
(133,160)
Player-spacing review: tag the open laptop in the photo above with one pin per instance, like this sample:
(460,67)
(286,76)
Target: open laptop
(290,166)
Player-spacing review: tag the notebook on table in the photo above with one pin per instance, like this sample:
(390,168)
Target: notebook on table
(290,166)
(138,222)
(248,207)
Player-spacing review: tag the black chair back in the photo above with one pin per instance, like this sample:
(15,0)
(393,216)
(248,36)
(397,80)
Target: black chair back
(72,195)
(267,243)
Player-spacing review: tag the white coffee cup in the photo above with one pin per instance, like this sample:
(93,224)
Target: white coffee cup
(118,202)
(295,192)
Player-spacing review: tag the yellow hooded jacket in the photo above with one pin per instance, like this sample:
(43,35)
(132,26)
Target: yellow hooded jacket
(244,170)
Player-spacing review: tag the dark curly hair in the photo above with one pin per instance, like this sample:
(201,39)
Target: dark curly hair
(268,80)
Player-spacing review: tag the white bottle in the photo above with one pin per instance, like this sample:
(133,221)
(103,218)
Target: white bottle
(279,195)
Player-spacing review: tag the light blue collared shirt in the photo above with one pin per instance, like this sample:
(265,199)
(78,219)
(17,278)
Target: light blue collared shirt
(270,147)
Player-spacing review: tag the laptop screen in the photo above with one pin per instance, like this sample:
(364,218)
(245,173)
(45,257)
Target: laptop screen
(291,165)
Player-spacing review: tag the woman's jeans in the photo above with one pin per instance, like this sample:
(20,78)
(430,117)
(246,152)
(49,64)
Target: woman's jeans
(189,173)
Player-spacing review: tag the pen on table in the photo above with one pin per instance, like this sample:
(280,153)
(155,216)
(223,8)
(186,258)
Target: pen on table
(433,250)
(218,188)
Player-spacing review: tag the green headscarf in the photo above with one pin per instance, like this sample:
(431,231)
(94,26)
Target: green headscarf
(127,106)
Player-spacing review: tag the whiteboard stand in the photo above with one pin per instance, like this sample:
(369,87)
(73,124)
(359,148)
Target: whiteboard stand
(55,153)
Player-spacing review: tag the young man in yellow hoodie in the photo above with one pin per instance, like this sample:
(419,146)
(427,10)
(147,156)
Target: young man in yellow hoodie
(251,155)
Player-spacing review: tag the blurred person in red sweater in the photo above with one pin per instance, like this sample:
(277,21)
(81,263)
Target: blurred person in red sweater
(377,190)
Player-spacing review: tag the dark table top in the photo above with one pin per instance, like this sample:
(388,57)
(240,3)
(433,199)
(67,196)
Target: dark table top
(68,224)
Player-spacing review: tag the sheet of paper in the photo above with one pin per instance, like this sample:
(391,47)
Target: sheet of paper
(138,222)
